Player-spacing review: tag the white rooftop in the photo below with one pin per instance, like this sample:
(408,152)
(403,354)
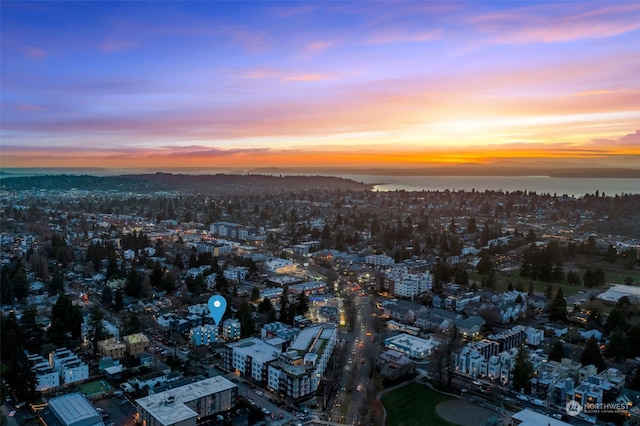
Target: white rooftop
(169,407)
(531,418)
(258,349)
(304,340)
(75,409)
(616,291)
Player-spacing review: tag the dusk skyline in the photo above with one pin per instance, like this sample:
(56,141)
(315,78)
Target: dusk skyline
(319,84)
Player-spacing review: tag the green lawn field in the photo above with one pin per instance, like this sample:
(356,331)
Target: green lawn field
(413,404)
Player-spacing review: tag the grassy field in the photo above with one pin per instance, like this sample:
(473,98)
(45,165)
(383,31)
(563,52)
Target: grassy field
(413,404)
(95,388)
(503,280)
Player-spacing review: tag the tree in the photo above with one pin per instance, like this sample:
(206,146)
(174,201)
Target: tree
(472,226)
(265,305)
(284,306)
(95,330)
(635,382)
(245,317)
(594,278)
(302,304)
(10,335)
(32,333)
(558,308)
(485,265)
(66,321)
(522,370)
(557,351)
(132,325)
(20,376)
(118,301)
(615,320)
(591,354)
(107,296)
(56,285)
(255,294)
(617,346)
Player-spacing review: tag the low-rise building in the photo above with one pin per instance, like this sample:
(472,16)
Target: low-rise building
(136,343)
(231,329)
(184,405)
(46,377)
(394,365)
(111,348)
(74,410)
(69,366)
(414,347)
(203,335)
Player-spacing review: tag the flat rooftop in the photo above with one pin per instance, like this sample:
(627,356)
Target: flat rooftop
(258,349)
(73,408)
(169,407)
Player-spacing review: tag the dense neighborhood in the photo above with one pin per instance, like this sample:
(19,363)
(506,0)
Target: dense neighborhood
(525,304)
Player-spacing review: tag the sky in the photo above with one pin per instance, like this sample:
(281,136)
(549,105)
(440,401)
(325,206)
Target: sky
(391,84)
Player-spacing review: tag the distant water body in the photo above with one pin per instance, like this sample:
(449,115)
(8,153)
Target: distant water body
(576,187)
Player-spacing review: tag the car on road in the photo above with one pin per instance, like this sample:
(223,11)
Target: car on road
(12,413)
(265,411)
(259,392)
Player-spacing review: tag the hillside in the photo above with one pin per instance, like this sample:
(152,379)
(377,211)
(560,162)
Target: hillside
(178,182)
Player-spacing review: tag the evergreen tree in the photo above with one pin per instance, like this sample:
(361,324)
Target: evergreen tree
(10,336)
(592,355)
(66,321)
(558,308)
(107,296)
(20,376)
(112,265)
(284,306)
(255,294)
(32,334)
(615,320)
(247,324)
(522,371)
(95,330)
(302,304)
(56,285)
(265,306)
(557,351)
(635,382)
(617,346)
(118,302)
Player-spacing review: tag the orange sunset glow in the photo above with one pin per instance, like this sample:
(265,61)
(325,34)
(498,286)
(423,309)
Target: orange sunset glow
(316,84)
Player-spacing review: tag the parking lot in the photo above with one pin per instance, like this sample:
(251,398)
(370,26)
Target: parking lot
(117,410)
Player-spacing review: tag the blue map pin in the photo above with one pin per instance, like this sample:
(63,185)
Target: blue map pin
(217,306)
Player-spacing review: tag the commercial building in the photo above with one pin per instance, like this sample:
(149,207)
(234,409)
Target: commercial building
(74,410)
(184,405)
(414,347)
